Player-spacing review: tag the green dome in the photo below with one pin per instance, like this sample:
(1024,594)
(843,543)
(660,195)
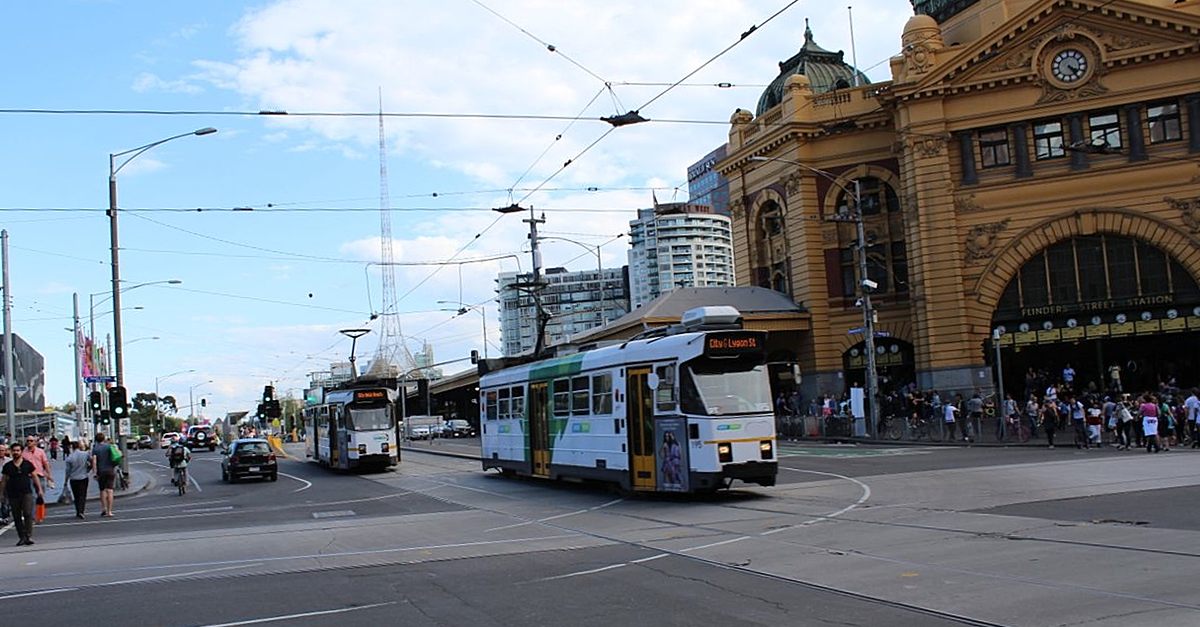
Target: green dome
(940,10)
(825,70)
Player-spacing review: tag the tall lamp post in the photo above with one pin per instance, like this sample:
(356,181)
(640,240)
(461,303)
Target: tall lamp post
(464,308)
(865,284)
(162,427)
(599,267)
(353,334)
(113,169)
(192,399)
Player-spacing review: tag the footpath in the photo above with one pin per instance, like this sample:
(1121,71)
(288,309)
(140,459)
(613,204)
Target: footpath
(139,481)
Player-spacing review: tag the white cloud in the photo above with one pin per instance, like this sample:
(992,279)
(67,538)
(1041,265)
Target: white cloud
(147,82)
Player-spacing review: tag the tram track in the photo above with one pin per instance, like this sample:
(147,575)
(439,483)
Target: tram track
(767,537)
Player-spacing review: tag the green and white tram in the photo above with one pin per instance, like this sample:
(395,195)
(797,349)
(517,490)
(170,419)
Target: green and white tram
(353,428)
(685,410)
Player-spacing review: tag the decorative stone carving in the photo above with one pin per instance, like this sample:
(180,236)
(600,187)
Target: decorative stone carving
(791,183)
(965,203)
(741,116)
(909,202)
(1052,93)
(928,146)
(737,208)
(1189,210)
(981,240)
(918,58)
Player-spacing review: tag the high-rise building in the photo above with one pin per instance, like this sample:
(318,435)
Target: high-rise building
(575,302)
(678,245)
(706,185)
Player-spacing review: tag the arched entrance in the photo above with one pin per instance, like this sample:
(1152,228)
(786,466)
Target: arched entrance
(1114,308)
(893,362)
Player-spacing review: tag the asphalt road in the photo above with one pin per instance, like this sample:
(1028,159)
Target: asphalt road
(851,536)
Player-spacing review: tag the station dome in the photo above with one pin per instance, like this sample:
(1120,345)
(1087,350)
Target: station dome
(825,71)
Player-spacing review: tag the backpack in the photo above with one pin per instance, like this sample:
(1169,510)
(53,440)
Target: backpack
(177,454)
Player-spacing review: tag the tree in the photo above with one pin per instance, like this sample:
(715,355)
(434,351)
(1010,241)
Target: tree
(145,409)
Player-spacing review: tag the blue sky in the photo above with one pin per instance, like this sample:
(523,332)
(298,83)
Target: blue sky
(264,292)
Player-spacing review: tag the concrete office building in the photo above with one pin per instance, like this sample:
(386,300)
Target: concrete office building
(575,302)
(677,245)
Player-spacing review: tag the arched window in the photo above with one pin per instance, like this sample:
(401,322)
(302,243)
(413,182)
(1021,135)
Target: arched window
(887,254)
(771,249)
(1097,268)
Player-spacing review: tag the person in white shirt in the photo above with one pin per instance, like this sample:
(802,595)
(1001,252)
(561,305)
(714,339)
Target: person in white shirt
(948,411)
(1192,405)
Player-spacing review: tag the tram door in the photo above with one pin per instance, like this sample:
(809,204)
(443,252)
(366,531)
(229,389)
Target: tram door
(335,433)
(639,419)
(539,436)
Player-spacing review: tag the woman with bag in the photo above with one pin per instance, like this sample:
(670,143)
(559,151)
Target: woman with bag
(79,466)
(1050,421)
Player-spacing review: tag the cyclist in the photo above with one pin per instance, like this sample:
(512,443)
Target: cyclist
(178,456)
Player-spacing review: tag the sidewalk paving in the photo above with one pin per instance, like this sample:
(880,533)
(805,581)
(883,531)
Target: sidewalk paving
(139,481)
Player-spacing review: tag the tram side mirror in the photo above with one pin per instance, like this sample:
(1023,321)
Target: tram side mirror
(652,381)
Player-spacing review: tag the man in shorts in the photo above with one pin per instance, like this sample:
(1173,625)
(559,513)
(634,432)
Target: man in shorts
(106,473)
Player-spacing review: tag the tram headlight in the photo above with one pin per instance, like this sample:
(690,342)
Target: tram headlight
(725,452)
(766,449)
(362,449)
(384,447)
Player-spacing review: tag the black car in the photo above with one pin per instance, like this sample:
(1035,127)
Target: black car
(201,436)
(249,457)
(458,429)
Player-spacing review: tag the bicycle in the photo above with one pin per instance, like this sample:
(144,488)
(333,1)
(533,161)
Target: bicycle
(892,427)
(181,479)
(921,427)
(122,479)
(1016,428)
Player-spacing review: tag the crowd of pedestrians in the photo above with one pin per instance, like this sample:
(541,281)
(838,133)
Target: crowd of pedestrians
(26,478)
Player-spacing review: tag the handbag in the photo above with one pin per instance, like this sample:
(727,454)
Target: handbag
(39,510)
(115,454)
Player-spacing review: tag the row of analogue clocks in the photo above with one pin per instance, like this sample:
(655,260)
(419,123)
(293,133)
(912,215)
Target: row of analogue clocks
(1119,319)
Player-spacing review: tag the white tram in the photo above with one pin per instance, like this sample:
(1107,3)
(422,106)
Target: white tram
(687,409)
(353,428)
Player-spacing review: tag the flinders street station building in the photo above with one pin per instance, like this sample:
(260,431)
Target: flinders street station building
(1029,187)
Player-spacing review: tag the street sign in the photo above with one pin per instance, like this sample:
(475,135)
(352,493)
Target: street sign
(124,427)
(100,379)
(20,389)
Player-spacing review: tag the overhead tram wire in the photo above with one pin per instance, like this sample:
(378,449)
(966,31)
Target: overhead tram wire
(333,114)
(549,46)
(244,209)
(557,138)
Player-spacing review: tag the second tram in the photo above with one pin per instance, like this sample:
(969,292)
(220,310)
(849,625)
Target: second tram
(687,409)
(353,428)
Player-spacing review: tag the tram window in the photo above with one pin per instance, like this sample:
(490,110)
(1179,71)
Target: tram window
(517,409)
(490,405)
(664,396)
(562,396)
(502,404)
(579,396)
(602,394)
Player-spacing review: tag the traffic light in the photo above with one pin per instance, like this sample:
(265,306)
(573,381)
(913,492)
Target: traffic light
(273,409)
(262,411)
(204,402)
(268,393)
(105,417)
(96,400)
(118,404)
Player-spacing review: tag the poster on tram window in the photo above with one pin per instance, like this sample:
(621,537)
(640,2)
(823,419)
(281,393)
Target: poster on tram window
(671,454)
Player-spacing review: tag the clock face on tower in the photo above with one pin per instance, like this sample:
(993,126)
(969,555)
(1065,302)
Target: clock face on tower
(1069,65)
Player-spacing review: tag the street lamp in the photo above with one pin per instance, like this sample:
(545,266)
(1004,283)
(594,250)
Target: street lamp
(158,403)
(142,339)
(92,302)
(599,267)
(113,169)
(462,309)
(866,285)
(353,334)
(192,400)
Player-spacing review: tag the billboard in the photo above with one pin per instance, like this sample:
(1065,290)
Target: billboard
(29,376)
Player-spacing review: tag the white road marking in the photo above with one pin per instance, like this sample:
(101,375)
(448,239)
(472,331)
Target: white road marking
(39,592)
(556,517)
(272,619)
(224,508)
(6,528)
(177,575)
(866,494)
(650,559)
(584,572)
(307,484)
(709,546)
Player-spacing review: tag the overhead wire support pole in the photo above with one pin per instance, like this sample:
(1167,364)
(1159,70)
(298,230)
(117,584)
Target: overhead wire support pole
(9,361)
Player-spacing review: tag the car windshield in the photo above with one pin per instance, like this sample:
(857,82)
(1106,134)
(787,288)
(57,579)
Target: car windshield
(253,447)
(724,387)
(372,419)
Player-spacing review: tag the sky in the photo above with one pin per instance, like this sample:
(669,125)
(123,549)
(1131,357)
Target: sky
(263,292)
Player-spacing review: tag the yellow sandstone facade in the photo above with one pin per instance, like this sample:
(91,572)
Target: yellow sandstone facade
(1032,168)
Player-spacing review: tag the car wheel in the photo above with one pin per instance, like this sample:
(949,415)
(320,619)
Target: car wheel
(274,476)
(233,478)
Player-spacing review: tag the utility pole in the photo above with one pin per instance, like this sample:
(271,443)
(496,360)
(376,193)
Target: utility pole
(534,287)
(9,361)
(866,286)
(76,330)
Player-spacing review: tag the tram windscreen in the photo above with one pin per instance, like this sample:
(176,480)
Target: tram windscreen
(722,387)
(373,419)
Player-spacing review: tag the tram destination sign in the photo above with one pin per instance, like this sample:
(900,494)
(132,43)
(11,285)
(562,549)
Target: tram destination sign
(734,344)
(370,395)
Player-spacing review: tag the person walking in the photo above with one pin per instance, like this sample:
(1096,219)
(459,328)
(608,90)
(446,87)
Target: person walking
(106,473)
(5,513)
(1124,426)
(1149,412)
(18,482)
(54,447)
(1050,421)
(79,466)
(1076,414)
(1033,412)
(1009,416)
(41,464)
(949,415)
(1192,405)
